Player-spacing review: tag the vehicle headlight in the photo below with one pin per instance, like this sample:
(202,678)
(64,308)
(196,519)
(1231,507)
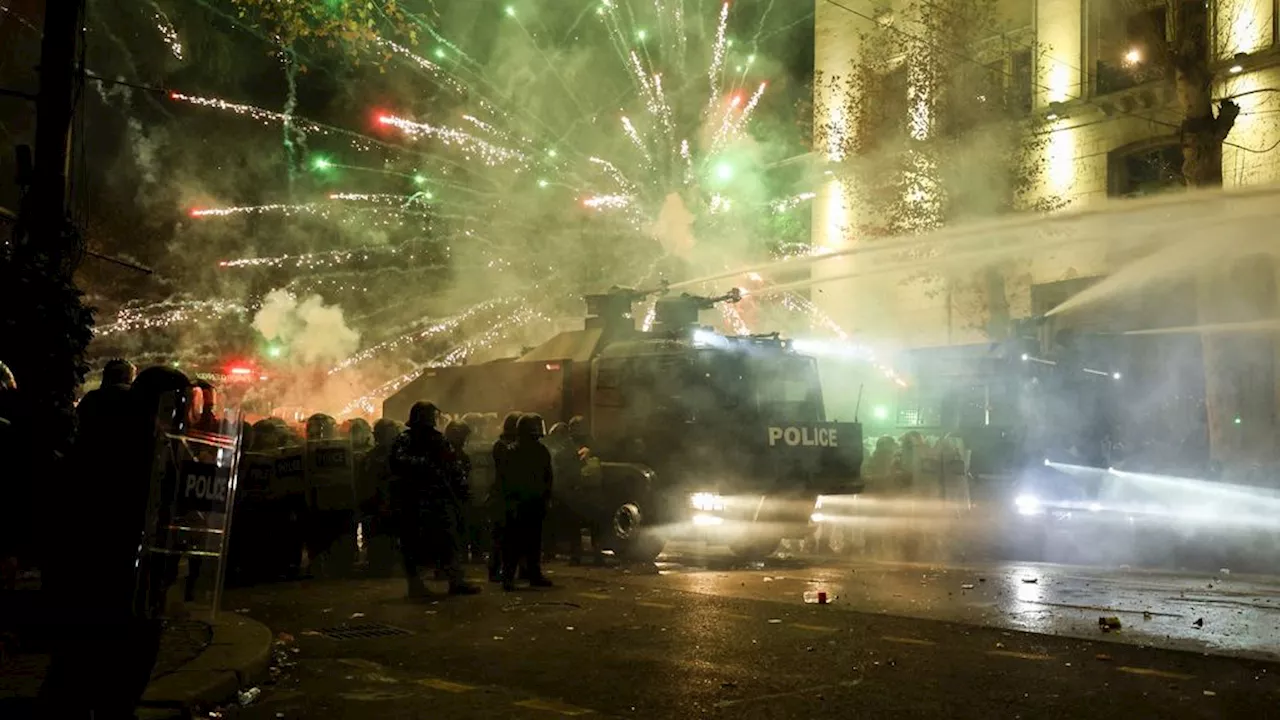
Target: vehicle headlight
(706,502)
(817,504)
(1027,504)
(817,518)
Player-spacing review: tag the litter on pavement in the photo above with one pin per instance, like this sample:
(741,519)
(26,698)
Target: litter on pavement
(1107,624)
(247,696)
(967,586)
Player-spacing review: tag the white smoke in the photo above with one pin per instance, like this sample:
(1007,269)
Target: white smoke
(674,227)
(311,331)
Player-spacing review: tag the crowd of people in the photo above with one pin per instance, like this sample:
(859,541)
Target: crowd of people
(412,497)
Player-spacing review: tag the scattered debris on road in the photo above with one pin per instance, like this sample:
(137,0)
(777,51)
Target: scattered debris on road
(356,615)
(1103,657)
(967,586)
(248,695)
(818,597)
(1224,571)
(1030,580)
(1109,624)
(1209,693)
(284,638)
(1199,623)
(775,621)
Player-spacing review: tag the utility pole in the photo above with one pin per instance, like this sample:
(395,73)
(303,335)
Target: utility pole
(49,197)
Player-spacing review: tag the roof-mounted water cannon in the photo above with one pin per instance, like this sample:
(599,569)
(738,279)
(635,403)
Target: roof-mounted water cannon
(611,311)
(676,314)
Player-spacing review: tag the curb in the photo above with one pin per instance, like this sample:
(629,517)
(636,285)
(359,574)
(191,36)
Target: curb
(237,656)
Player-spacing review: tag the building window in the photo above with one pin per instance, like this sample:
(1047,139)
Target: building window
(1148,169)
(1020,85)
(1131,44)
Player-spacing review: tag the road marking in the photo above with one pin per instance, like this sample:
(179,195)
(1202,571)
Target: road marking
(1151,672)
(907,640)
(553,706)
(815,628)
(775,696)
(596,596)
(663,606)
(1019,655)
(446,686)
(736,616)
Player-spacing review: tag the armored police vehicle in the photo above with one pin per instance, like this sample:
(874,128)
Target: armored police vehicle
(698,435)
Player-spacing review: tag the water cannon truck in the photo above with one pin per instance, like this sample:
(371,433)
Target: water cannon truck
(698,435)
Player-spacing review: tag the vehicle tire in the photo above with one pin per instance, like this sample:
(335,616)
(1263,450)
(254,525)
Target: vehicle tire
(627,532)
(756,548)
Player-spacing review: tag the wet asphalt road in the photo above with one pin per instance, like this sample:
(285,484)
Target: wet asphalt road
(697,636)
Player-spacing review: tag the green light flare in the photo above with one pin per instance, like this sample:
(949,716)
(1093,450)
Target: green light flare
(724,172)
(439,53)
(551,153)
(543,183)
(419,179)
(322,163)
(641,35)
(511,11)
(274,351)
(881,412)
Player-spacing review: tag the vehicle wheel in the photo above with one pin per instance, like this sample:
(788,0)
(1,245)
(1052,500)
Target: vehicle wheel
(755,549)
(629,535)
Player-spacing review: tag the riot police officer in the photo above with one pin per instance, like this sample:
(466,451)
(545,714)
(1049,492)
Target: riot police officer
(425,470)
(493,503)
(374,496)
(524,479)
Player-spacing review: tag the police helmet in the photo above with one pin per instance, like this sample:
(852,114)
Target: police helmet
(385,431)
(457,432)
(510,423)
(6,378)
(530,426)
(118,371)
(423,414)
(321,427)
(360,433)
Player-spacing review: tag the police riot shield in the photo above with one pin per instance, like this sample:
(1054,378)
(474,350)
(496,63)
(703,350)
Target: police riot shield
(257,477)
(192,495)
(330,477)
(289,479)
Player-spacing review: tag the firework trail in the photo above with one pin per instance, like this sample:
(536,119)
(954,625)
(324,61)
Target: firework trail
(167,313)
(499,137)
(167,31)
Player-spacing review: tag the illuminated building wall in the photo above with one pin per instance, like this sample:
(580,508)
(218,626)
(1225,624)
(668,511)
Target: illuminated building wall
(1088,130)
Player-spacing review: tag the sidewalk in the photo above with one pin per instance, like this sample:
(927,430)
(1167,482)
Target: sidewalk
(199,665)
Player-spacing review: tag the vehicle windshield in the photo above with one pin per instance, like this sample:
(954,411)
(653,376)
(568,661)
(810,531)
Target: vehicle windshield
(774,386)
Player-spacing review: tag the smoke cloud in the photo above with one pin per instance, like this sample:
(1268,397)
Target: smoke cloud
(312,331)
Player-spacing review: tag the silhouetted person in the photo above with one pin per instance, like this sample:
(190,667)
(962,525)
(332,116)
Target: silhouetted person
(425,470)
(331,511)
(456,433)
(374,495)
(99,409)
(108,597)
(361,435)
(524,479)
(493,503)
